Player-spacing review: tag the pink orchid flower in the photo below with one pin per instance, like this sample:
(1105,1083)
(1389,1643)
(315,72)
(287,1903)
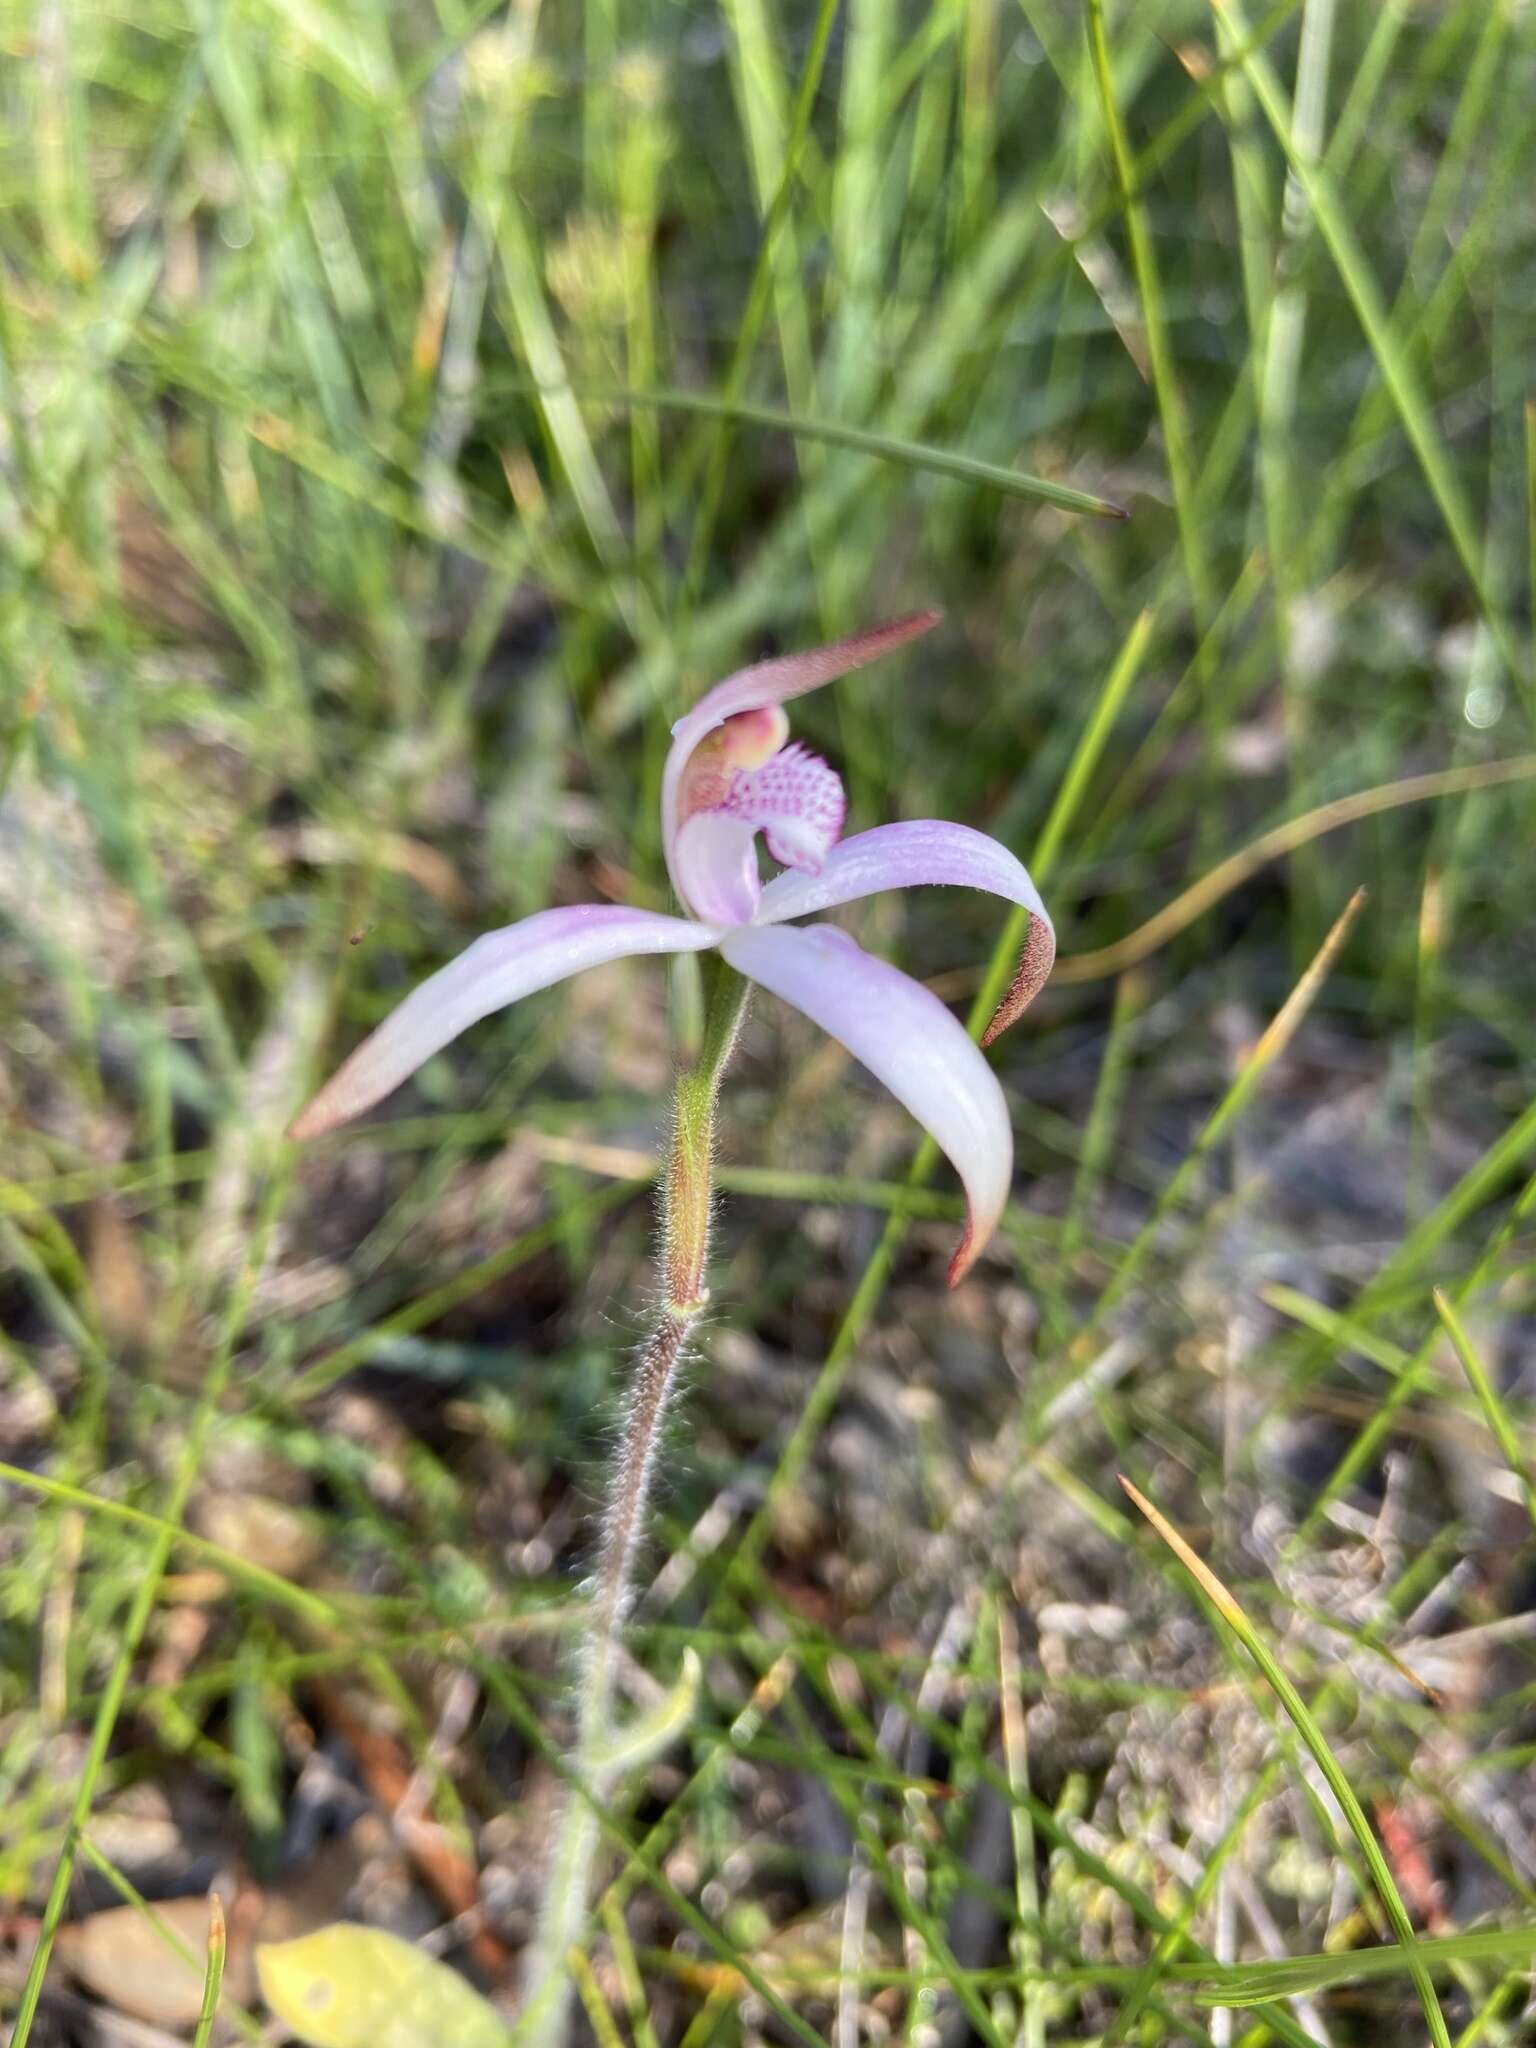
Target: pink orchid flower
(732,772)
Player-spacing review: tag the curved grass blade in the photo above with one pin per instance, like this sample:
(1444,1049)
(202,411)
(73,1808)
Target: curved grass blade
(1236,869)
(972,469)
(1312,1735)
(1243,1984)
(1504,1432)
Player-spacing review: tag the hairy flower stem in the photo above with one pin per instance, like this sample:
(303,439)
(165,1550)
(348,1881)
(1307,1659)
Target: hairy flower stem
(686,1214)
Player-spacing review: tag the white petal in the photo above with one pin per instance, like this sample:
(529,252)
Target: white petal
(909,855)
(908,1040)
(496,970)
(903,857)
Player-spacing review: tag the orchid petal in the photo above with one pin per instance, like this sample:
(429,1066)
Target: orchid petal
(905,856)
(797,803)
(496,970)
(767,683)
(908,1040)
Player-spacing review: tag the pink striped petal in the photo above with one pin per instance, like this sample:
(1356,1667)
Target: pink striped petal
(495,971)
(768,683)
(905,856)
(908,1040)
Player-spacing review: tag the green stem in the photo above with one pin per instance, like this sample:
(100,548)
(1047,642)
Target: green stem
(686,1209)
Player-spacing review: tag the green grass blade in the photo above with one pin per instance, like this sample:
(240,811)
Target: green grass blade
(1322,1755)
(892,448)
(1396,371)
(214,1978)
(137,1621)
(1243,1984)
(1165,383)
(1505,1435)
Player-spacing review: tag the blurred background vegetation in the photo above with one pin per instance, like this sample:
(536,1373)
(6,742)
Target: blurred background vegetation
(404,410)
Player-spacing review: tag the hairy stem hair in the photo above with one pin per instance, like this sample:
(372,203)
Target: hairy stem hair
(686,1214)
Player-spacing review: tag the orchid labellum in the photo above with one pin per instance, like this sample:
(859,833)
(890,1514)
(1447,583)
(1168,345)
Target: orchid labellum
(733,773)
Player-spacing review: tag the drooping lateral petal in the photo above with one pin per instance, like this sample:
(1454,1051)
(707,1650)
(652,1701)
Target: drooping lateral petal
(496,970)
(926,850)
(908,1040)
(766,683)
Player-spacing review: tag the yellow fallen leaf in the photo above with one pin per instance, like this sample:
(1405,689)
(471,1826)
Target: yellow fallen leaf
(347,1986)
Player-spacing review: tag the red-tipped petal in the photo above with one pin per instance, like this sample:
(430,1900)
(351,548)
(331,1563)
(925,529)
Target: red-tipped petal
(965,1256)
(1029,977)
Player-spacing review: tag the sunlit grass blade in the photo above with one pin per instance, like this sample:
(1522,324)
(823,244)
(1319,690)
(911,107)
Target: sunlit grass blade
(567,429)
(1074,783)
(631,1981)
(860,218)
(1317,1745)
(1245,1984)
(1238,867)
(1339,1329)
(1505,1434)
(775,218)
(765,118)
(605,2028)
(310,1606)
(1422,322)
